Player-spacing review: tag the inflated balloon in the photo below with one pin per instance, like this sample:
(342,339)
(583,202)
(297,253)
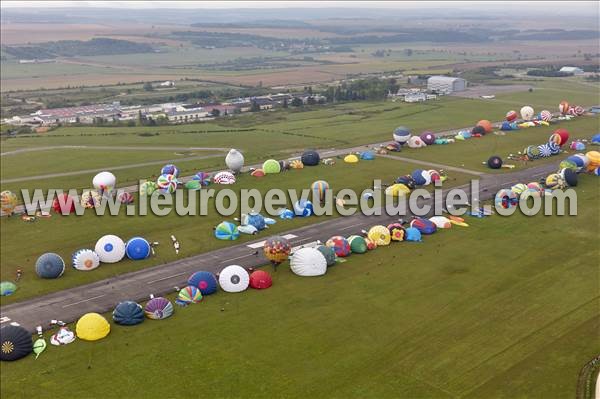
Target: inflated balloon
(416,142)
(308,262)
(277,249)
(234,160)
(7,288)
(494,162)
(397,190)
(568,164)
(227,231)
(569,176)
(478,131)
(260,280)
(125,198)
(408,181)
(271,166)
(92,327)
(286,214)
(506,199)
(527,113)
(110,248)
(397,231)
(284,165)
(203,178)
(340,246)
(425,226)
(577,146)
(328,253)
(486,125)
(596,139)
(563,107)
(15,343)
(380,235)
(50,265)
(418,177)
(434,175)
(518,188)
(137,248)
(8,202)
(563,134)
(546,115)
(257,173)
(254,219)
(545,150)
(319,189)
(351,158)
(401,134)
(158,308)
(412,234)
(511,116)
(104,182)
(296,164)
(367,155)
(167,183)
(188,295)
(303,208)
(148,187)
(193,185)
(128,313)
(204,281)
(441,222)
(532,152)
(63,204)
(90,199)
(224,178)
(170,169)
(358,245)
(234,278)
(310,158)
(85,260)
(428,137)
(555,181)
(395,147)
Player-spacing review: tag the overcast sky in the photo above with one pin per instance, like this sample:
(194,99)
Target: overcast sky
(507,5)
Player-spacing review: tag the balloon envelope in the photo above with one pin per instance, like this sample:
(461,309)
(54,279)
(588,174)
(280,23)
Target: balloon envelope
(308,262)
(204,281)
(310,158)
(92,327)
(137,248)
(234,160)
(260,279)
(234,278)
(158,308)
(85,259)
(128,313)
(110,249)
(50,265)
(15,343)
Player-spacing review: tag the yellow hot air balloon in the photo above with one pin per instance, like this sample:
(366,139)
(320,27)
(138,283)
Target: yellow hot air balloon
(8,202)
(397,190)
(380,235)
(92,327)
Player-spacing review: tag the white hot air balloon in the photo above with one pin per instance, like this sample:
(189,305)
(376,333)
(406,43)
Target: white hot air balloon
(85,259)
(527,113)
(234,160)
(308,262)
(110,249)
(104,182)
(234,278)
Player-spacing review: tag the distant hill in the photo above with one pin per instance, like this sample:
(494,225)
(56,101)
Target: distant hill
(73,48)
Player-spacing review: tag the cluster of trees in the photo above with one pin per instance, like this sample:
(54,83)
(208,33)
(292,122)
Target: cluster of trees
(363,89)
(71,48)
(549,73)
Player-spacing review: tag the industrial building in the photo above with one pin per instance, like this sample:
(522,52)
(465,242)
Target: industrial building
(572,70)
(446,84)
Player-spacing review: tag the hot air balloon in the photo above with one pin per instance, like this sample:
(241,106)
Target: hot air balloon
(296,164)
(397,190)
(90,199)
(358,245)
(167,183)
(15,343)
(518,188)
(104,182)
(234,278)
(527,113)
(234,160)
(477,131)
(260,280)
(328,253)
(412,234)
(425,226)
(555,181)
(494,162)
(128,313)
(7,288)
(110,249)
(506,199)
(380,235)
(63,336)
(408,181)
(203,178)
(563,107)
(441,222)
(63,204)
(511,116)
(271,166)
(193,185)
(308,262)
(92,327)
(227,231)
(340,246)
(204,281)
(419,177)
(188,295)
(224,178)
(137,248)
(158,308)
(85,259)
(564,136)
(487,125)
(125,197)
(50,265)
(546,115)
(254,219)
(397,231)
(170,170)
(367,155)
(303,208)
(319,189)
(310,158)
(351,158)
(428,137)
(277,249)
(258,173)
(416,142)
(148,187)
(8,202)
(569,176)
(401,134)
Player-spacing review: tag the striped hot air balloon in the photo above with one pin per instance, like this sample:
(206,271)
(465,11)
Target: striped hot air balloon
(188,295)
(227,231)
(158,308)
(224,178)
(546,115)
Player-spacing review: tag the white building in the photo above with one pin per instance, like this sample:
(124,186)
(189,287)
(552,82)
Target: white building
(415,97)
(446,84)
(572,70)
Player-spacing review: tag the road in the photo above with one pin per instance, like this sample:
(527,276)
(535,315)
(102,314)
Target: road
(102,296)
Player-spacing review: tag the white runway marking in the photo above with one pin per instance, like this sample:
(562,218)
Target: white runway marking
(85,300)
(236,258)
(260,244)
(165,278)
(351,226)
(4,319)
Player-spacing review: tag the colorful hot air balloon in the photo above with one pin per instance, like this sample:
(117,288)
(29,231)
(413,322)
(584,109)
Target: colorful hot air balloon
(15,343)
(110,249)
(170,170)
(277,249)
(148,187)
(167,183)
(128,313)
(90,199)
(158,308)
(296,164)
(85,259)
(319,189)
(104,182)
(564,136)
(425,226)
(125,198)
(234,278)
(193,185)
(8,202)
(546,115)
(260,280)
(50,265)
(203,178)
(506,199)
(137,248)
(380,235)
(234,160)
(224,178)
(227,231)
(303,208)
(63,204)
(204,281)
(563,107)
(7,288)
(340,246)
(401,134)
(397,231)
(511,115)
(188,295)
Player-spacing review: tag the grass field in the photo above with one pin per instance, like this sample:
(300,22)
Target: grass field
(194,233)
(471,312)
